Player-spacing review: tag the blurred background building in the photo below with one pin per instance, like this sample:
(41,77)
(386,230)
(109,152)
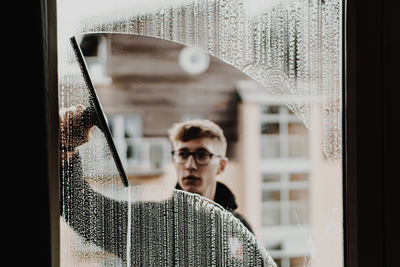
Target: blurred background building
(286,188)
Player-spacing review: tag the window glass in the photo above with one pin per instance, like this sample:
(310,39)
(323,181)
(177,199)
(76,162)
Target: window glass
(270,128)
(271,214)
(295,128)
(271,109)
(271,196)
(270,76)
(271,178)
(298,177)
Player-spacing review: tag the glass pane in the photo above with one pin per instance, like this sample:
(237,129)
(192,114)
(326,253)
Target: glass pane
(270,128)
(298,146)
(271,178)
(298,177)
(271,216)
(271,109)
(270,146)
(299,207)
(285,55)
(271,195)
(298,194)
(297,129)
(296,262)
(130,238)
(299,213)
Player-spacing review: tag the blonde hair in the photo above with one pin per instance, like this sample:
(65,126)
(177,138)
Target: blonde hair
(194,129)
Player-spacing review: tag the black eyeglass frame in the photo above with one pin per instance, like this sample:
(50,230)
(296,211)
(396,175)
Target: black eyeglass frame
(211,155)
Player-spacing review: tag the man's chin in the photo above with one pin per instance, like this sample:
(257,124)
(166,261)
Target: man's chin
(191,187)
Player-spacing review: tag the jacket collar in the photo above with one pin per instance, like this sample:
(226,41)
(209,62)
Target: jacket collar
(223,196)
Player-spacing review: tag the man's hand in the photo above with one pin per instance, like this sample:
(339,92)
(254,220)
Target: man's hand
(74,128)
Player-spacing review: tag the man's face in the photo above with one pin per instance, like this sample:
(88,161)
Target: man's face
(196,178)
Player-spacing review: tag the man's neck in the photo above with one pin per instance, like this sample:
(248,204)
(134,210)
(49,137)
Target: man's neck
(210,193)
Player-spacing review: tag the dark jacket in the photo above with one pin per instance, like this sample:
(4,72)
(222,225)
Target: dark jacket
(225,198)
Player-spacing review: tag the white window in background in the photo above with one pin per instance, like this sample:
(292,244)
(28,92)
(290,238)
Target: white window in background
(124,127)
(285,199)
(285,190)
(140,155)
(285,217)
(283,134)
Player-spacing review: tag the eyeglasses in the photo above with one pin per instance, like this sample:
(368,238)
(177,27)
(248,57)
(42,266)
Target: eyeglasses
(202,157)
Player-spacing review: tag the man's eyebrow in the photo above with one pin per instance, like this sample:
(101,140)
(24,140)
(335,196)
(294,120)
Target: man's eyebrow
(202,149)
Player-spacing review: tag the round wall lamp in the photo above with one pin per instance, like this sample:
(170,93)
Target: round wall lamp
(193,61)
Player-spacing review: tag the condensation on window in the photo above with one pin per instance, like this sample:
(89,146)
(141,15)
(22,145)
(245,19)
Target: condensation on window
(293,50)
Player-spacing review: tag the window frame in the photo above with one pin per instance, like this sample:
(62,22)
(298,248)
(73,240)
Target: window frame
(49,20)
(370,200)
(369,81)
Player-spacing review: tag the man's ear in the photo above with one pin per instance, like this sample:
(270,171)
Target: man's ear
(222,165)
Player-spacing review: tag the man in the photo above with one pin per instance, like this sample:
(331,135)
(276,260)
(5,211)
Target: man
(199,154)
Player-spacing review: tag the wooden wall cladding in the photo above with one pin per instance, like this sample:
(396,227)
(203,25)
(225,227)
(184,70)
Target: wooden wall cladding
(148,80)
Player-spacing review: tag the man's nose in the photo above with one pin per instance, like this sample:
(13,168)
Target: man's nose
(191,163)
